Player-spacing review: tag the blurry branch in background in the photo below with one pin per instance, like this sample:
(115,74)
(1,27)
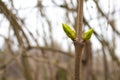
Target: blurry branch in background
(87,62)
(105,63)
(15,25)
(112,24)
(50,50)
(18,31)
(2,36)
(41,7)
(23,40)
(32,36)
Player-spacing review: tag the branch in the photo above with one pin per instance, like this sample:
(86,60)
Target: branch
(15,25)
(79,46)
(51,49)
(79,19)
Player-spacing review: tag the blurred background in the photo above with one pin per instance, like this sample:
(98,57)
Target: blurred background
(33,45)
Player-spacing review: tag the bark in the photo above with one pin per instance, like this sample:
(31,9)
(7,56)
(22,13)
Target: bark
(78,43)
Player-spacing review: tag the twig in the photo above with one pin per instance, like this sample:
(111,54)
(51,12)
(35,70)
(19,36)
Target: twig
(52,50)
(79,19)
(79,45)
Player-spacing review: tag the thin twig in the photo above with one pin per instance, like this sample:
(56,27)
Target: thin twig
(79,47)
(79,19)
(78,43)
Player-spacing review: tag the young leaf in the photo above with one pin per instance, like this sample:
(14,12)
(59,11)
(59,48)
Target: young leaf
(87,35)
(69,32)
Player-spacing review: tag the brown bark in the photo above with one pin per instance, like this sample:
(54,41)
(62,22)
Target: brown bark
(79,47)
(86,64)
(79,44)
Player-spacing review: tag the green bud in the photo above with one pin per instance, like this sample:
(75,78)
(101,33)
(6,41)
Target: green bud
(87,35)
(69,32)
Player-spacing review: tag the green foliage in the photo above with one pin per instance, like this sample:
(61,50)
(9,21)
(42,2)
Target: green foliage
(69,32)
(61,74)
(87,35)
